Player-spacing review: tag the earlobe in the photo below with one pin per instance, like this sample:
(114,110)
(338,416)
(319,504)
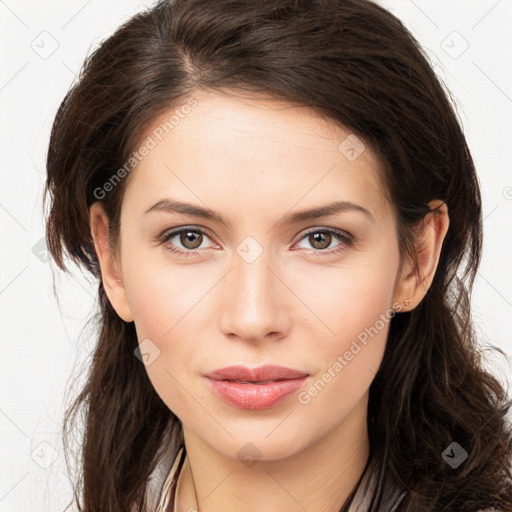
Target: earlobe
(413,285)
(109,265)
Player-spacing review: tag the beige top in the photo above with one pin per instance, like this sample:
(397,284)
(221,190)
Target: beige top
(166,502)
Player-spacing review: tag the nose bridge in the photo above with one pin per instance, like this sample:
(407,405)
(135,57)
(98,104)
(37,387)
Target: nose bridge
(251,294)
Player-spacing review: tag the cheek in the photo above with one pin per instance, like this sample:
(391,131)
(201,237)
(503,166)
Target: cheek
(345,300)
(354,309)
(349,361)
(167,301)
(161,295)
(162,308)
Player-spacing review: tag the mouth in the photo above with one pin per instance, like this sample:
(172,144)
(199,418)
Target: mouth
(254,389)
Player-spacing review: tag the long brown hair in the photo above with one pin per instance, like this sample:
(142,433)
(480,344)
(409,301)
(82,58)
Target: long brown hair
(358,66)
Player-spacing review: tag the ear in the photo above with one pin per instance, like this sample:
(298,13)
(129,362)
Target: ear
(414,285)
(110,267)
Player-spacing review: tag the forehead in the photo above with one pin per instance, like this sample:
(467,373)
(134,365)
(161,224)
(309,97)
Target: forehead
(261,149)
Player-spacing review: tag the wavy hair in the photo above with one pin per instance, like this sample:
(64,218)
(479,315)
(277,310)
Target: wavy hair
(356,65)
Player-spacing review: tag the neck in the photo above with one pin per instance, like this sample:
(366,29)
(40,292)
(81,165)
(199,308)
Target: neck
(317,478)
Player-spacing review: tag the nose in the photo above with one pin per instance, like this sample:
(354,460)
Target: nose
(254,301)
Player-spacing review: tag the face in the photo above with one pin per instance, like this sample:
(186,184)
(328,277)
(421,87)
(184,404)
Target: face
(264,285)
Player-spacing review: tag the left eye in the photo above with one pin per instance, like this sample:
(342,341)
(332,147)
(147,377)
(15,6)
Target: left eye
(320,239)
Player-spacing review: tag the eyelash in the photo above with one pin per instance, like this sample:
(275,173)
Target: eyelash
(347,239)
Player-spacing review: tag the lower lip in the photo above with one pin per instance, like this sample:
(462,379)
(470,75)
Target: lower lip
(255,396)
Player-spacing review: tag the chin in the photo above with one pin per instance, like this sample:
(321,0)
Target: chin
(257,444)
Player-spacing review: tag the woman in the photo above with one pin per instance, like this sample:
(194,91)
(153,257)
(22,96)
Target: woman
(276,198)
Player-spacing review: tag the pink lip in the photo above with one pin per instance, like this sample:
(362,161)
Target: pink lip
(255,396)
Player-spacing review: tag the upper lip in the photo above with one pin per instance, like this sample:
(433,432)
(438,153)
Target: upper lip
(261,373)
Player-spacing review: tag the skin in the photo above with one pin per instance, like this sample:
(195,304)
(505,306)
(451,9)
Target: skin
(253,161)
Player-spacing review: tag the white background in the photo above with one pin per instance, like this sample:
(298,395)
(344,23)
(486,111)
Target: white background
(42,339)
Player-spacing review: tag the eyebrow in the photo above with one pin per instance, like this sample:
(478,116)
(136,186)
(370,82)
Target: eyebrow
(173,206)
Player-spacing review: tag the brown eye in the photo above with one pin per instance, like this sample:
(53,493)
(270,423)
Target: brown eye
(191,239)
(320,239)
(184,241)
